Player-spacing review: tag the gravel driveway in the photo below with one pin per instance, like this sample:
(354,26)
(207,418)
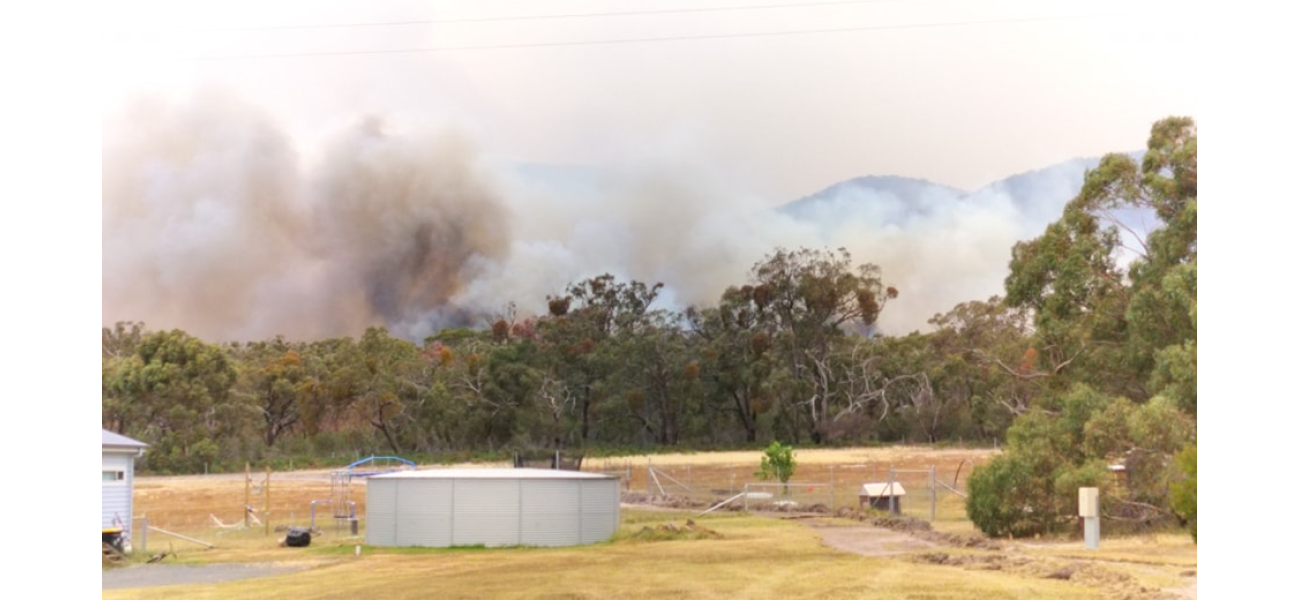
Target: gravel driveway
(136,576)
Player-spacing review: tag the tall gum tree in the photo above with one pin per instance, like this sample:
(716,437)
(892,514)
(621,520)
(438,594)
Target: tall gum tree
(814,298)
(173,391)
(1096,321)
(1119,346)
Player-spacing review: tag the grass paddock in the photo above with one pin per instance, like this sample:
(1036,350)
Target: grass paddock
(745,556)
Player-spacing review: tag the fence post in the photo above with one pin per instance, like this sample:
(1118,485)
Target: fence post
(248,491)
(266,499)
(893,504)
(746,497)
(934,494)
(144,532)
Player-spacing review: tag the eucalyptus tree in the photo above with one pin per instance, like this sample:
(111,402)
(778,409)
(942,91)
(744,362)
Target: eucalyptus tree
(811,298)
(1117,345)
(1096,321)
(274,377)
(736,357)
(173,392)
(576,336)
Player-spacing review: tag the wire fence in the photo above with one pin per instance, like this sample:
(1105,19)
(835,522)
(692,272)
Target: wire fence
(931,493)
(789,496)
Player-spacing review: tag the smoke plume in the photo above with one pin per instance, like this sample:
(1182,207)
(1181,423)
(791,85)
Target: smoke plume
(216,223)
(213,223)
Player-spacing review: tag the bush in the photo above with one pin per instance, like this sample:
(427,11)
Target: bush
(778,463)
(1000,501)
(1184,492)
(1019,494)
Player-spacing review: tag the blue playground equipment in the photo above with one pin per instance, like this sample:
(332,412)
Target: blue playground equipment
(344,508)
(374,466)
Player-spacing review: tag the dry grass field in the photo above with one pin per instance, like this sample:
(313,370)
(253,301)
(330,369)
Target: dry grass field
(725,555)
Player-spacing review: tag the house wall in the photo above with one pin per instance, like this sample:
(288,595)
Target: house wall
(116,500)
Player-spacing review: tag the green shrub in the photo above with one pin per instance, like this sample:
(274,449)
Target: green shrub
(999,497)
(778,463)
(1184,492)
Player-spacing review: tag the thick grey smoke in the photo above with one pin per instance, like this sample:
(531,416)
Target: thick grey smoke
(399,218)
(215,223)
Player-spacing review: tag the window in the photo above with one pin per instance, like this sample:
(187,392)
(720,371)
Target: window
(114,475)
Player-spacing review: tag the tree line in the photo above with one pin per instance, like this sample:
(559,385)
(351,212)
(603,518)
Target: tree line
(1083,363)
(782,356)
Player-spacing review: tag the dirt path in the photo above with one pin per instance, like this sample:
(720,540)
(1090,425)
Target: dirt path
(136,576)
(869,540)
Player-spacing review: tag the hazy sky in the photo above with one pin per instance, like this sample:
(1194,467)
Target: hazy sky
(313,168)
(961,92)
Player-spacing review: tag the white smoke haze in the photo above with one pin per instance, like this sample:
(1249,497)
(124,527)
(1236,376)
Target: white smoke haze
(214,223)
(202,228)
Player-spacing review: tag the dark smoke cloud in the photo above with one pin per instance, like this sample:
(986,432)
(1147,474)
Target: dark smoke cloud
(400,217)
(215,222)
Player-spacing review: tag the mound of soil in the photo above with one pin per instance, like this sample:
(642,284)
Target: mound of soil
(666,501)
(988,562)
(1116,584)
(672,531)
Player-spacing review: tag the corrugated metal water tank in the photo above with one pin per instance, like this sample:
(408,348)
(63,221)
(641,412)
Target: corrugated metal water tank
(491,507)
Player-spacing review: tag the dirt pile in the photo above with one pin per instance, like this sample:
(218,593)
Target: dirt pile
(672,531)
(1117,584)
(664,501)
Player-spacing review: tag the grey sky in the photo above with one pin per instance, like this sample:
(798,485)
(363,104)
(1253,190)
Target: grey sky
(783,116)
(285,168)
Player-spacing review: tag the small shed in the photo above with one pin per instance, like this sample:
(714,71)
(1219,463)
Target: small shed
(877,496)
(491,507)
(118,481)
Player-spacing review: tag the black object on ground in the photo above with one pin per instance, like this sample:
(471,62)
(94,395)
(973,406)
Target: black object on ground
(298,537)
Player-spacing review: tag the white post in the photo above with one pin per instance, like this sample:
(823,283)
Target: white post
(1090,509)
(893,502)
(934,494)
(832,488)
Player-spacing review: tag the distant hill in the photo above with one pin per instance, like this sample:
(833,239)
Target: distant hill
(1040,194)
(1033,199)
(846,195)
(937,244)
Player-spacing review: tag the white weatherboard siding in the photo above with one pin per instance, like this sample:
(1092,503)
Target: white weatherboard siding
(490,507)
(118,479)
(116,500)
